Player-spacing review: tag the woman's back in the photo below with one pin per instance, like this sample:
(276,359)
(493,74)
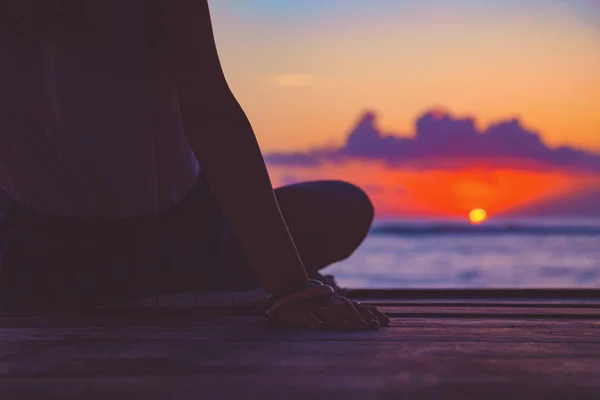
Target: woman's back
(89,119)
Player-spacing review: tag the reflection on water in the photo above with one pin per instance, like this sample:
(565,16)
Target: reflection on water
(435,260)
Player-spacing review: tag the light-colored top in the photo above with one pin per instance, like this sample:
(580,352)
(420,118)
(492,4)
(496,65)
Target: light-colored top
(96,131)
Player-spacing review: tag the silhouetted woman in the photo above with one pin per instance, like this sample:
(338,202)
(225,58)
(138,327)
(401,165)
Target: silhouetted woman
(132,171)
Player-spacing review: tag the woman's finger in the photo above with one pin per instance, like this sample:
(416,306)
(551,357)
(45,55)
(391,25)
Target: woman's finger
(352,313)
(334,312)
(368,315)
(349,309)
(384,320)
(337,315)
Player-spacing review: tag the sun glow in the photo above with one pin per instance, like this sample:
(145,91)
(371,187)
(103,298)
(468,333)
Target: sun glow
(477,216)
(453,193)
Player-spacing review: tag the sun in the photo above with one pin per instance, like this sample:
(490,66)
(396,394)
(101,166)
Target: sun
(477,216)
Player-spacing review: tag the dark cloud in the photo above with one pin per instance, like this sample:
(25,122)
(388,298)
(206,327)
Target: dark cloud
(441,139)
(308,159)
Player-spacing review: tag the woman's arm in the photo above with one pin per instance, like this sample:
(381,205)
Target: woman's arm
(226,148)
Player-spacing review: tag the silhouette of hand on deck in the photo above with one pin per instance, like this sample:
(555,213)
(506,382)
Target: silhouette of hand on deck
(335,312)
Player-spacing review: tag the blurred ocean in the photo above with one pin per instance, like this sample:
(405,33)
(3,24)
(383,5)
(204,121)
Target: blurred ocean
(534,253)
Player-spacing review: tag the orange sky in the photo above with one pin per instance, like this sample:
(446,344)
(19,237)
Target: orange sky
(304,70)
(447,193)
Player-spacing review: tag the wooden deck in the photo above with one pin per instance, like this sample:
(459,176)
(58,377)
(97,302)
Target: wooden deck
(468,349)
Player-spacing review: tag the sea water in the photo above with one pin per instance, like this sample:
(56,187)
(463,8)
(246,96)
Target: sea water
(525,253)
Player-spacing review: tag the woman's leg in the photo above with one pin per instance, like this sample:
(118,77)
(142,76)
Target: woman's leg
(327,219)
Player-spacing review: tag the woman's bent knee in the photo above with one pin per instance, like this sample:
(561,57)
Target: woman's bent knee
(359,203)
(355,216)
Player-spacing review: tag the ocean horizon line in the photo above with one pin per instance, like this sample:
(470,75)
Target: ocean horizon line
(453,226)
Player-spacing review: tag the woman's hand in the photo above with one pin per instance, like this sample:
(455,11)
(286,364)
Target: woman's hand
(333,312)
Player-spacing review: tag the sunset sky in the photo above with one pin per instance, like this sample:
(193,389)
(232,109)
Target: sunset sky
(306,71)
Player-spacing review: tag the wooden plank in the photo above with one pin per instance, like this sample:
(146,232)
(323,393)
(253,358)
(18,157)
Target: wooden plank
(207,327)
(182,354)
(321,370)
(284,384)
